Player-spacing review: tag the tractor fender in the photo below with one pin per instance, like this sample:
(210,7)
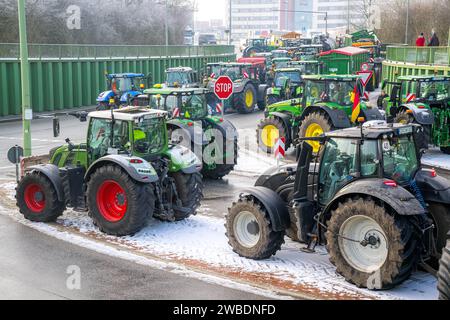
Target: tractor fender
(272,202)
(195,131)
(183,159)
(262,91)
(371,114)
(227,129)
(286,118)
(434,189)
(422,116)
(141,172)
(52,173)
(398,198)
(105,96)
(243,84)
(275,177)
(338,117)
(130,94)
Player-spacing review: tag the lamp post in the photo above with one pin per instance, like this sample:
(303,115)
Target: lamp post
(407,22)
(166,22)
(230,23)
(27,112)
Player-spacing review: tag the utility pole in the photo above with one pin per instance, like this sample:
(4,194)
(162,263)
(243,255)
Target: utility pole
(407,22)
(230,23)
(348,16)
(27,112)
(166,23)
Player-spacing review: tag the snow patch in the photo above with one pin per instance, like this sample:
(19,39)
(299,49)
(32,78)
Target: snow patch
(435,158)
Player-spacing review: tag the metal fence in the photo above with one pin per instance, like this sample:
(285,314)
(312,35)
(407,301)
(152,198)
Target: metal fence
(437,56)
(70,51)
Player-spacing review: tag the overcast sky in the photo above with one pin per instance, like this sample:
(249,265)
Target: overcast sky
(211,9)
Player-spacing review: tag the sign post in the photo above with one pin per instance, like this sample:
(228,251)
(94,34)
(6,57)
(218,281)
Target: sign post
(280,149)
(14,155)
(223,89)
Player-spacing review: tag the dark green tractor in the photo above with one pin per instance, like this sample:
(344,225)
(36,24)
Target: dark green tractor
(326,105)
(424,100)
(212,138)
(368,199)
(308,52)
(124,174)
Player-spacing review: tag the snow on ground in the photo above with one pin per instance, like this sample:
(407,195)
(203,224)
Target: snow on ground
(435,158)
(200,244)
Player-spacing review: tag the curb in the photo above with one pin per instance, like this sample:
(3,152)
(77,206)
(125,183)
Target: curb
(9,119)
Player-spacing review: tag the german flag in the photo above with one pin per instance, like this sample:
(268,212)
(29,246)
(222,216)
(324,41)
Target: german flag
(356,99)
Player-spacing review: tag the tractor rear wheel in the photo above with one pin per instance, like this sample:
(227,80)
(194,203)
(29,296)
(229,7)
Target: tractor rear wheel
(444,274)
(221,170)
(369,247)
(190,192)
(37,199)
(119,205)
(268,132)
(245,101)
(250,232)
(315,125)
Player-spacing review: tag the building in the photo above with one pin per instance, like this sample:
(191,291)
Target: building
(296,15)
(342,14)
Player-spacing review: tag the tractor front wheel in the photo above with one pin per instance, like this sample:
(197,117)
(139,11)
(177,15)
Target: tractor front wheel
(371,248)
(190,192)
(221,170)
(37,199)
(119,205)
(250,232)
(245,101)
(268,132)
(313,126)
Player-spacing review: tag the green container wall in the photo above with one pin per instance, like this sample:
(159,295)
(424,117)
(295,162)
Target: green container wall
(58,84)
(341,64)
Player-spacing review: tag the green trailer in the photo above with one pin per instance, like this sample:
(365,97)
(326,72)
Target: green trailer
(343,61)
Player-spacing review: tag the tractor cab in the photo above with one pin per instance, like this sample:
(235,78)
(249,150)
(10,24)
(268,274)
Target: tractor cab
(307,67)
(257,42)
(308,52)
(212,70)
(122,88)
(278,63)
(237,71)
(182,77)
(280,54)
(286,84)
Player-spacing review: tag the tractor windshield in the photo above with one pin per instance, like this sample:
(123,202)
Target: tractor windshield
(194,107)
(294,76)
(400,159)
(309,68)
(149,137)
(234,73)
(124,84)
(340,92)
(434,90)
(180,78)
(279,64)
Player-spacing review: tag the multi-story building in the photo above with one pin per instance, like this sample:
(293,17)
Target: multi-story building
(342,14)
(296,15)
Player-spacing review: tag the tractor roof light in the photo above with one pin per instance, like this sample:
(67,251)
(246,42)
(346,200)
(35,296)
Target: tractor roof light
(409,112)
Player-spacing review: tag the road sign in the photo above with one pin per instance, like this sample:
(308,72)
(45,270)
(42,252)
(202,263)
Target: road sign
(365,67)
(223,88)
(14,154)
(365,77)
(280,148)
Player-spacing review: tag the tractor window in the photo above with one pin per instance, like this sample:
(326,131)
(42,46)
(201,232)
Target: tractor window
(310,68)
(99,138)
(314,92)
(294,76)
(194,107)
(122,84)
(338,167)
(233,72)
(434,91)
(121,136)
(180,78)
(171,103)
(400,159)
(157,102)
(341,92)
(369,158)
(149,137)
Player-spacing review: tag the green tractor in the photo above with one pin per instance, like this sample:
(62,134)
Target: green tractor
(212,138)
(125,173)
(249,91)
(308,52)
(424,100)
(257,45)
(182,77)
(326,105)
(379,213)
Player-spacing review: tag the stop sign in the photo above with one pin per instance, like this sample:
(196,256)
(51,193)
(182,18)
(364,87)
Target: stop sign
(223,87)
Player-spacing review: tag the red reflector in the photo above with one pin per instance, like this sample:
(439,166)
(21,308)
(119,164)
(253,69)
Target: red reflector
(422,107)
(136,161)
(190,124)
(221,120)
(391,183)
(433,173)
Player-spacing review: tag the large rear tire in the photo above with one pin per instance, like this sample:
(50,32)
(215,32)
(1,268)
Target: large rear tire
(389,258)
(37,198)
(190,191)
(250,232)
(444,274)
(245,101)
(119,205)
(268,132)
(314,125)
(221,170)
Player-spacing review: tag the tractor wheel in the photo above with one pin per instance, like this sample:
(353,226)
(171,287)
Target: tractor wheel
(445,150)
(249,231)
(268,132)
(190,191)
(37,199)
(444,274)
(441,219)
(272,99)
(262,102)
(102,106)
(422,139)
(389,257)
(221,170)
(245,101)
(315,125)
(119,205)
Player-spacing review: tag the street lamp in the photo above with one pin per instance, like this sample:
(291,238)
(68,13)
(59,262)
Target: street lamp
(27,112)
(407,22)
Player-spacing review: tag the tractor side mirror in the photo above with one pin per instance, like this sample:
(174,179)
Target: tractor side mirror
(56,127)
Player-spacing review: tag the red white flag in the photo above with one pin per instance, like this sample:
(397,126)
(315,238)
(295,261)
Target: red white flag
(176,113)
(280,148)
(219,108)
(246,74)
(410,97)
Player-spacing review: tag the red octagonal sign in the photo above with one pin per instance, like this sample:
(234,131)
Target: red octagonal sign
(223,87)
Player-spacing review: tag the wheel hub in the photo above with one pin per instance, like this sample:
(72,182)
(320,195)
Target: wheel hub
(314,130)
(269,135)
(112,201)
(247,229)
(34,198)
(253,228)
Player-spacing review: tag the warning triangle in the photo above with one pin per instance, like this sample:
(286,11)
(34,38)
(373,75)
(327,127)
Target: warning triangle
(365,77)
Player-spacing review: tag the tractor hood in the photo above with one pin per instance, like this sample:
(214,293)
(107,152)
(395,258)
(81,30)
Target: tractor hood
(286,103)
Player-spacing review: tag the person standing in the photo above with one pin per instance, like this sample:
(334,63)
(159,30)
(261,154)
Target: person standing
(420,42)
(434,41)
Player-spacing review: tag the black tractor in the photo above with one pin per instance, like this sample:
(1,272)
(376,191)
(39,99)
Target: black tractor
(379,213)
(444,273)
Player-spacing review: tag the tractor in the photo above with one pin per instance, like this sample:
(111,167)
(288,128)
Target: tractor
(424,100)
(379,213)
(122,88)
(125,173)
(212,138)
(308,52)
(444,273)
(182,77)
(326,105)
(279,54)
(249,92)
(257,45)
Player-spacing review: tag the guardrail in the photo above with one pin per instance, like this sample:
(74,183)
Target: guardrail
(436,56)
(70,51)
